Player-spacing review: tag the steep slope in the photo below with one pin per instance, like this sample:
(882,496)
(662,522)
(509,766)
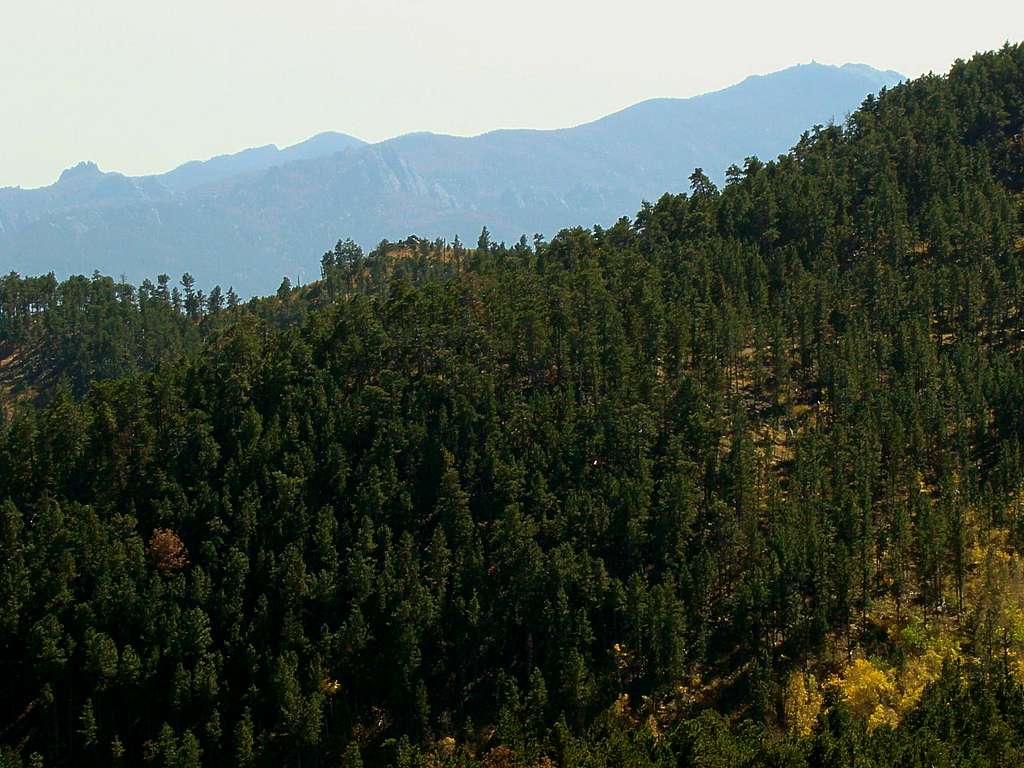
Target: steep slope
(250,228)
(736,483)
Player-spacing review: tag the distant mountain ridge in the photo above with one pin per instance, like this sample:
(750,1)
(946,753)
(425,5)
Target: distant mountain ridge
(198,172)
(248,218)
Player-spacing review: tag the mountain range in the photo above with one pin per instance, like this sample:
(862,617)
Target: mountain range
(247,219)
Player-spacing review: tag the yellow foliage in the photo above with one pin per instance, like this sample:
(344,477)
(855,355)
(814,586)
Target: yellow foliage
(652,727)
(802,703)
(1014,621)
(918,673)
(883,715)
(866,688)
(620,709)
(330,687)
(995,593)
(882,696)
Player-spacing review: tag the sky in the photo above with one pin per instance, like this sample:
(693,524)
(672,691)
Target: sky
(140,86)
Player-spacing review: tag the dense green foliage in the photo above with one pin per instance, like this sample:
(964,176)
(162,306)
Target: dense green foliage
(445,487)
(82,330)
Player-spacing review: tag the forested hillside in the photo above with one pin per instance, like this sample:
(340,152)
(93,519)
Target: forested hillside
(736,482)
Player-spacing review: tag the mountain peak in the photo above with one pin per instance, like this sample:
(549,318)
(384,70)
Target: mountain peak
(84,169)
(882,77)
(864,71)
(197,173)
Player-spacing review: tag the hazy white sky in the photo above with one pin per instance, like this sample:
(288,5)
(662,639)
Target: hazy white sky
(141,86)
